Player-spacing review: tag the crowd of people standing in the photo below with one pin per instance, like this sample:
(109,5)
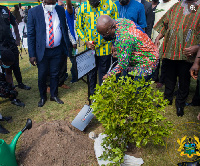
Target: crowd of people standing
(140,35)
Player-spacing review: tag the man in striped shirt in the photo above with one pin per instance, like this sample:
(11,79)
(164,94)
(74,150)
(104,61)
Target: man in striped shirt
(180,27)
(87,17)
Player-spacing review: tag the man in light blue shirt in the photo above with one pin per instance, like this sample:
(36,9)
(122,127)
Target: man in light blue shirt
(132,10)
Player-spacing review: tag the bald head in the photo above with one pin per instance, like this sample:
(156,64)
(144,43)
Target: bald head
(106,27)
(103,23)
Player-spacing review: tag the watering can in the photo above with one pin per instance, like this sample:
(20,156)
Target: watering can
(7,152)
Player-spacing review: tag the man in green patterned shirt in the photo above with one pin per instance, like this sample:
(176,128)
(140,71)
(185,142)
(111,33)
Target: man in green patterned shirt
(87,17)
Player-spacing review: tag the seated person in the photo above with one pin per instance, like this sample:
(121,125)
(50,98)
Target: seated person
(7,58)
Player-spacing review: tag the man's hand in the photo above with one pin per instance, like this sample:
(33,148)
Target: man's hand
(190,51)
(114,51)
(18,41)
(75,46)
(194,70)
(157,43)
(33,61)
(198,117)
(90,45)
(105,76)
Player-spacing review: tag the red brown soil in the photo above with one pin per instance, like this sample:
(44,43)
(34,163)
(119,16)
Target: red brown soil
(56,144)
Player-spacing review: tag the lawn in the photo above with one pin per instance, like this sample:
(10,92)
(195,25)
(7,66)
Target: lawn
(74,99)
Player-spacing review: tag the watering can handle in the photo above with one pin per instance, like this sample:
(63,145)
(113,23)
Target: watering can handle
(28,125)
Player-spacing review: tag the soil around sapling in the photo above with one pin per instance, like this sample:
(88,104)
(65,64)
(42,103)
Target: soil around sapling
(56,143)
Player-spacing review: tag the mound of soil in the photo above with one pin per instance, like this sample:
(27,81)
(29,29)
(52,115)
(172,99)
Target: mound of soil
(56,144)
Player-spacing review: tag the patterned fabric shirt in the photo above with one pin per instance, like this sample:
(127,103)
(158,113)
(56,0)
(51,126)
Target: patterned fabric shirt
(180,31)
(135,51)
(86,22)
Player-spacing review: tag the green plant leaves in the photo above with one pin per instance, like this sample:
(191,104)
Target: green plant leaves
(128,112)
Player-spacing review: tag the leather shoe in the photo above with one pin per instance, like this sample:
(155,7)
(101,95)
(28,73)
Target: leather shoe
(22,86)
(3,130)
(56,99)
(41,102)
(6,118)
(17,102)
(180,111)
(191,104)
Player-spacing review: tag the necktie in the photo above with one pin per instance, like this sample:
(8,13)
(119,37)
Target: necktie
(51,35)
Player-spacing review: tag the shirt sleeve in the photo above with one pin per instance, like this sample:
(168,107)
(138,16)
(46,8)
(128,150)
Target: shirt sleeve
(124,48)
(114,13)
(80,24)
(71,38)
(163,24)
(142,18)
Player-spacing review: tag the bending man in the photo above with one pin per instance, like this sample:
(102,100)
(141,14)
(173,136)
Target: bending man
(135,51)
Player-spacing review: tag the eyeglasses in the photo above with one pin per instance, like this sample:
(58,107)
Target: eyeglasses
(109,29)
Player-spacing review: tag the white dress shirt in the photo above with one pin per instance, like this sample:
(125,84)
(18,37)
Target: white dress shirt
(56,27)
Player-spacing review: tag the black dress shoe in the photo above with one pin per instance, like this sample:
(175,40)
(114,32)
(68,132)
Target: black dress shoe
(22,86)
(3,130)
(41,102)
(6,118)
(192,104)
(180,111)
(56,99)
(17,102)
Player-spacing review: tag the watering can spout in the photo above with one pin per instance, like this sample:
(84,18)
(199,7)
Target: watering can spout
(14,141)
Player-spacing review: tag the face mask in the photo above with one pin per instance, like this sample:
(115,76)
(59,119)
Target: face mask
(124,2)
(50,8)
(109,38)
(94,3)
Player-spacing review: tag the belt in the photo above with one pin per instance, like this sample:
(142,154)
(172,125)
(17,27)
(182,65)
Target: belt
(53,47)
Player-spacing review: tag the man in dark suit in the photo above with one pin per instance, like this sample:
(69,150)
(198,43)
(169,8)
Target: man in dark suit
(149,17)
(47,40)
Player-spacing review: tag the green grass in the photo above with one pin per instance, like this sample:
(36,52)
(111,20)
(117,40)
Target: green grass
(74,99)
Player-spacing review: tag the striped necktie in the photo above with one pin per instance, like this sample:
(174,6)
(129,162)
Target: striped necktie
(51,35)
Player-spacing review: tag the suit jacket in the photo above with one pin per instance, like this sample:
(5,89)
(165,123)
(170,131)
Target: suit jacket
(149,17)
(36,31)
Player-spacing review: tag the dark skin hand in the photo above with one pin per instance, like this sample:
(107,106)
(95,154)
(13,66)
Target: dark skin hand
(190,51)
(194,70)
(75,46)
(90,45)
(196,66)
(17,34)
(33,61)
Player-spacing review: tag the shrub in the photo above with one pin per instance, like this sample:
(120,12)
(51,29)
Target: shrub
(130,113)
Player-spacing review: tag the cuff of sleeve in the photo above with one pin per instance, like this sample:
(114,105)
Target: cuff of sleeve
(74,42)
